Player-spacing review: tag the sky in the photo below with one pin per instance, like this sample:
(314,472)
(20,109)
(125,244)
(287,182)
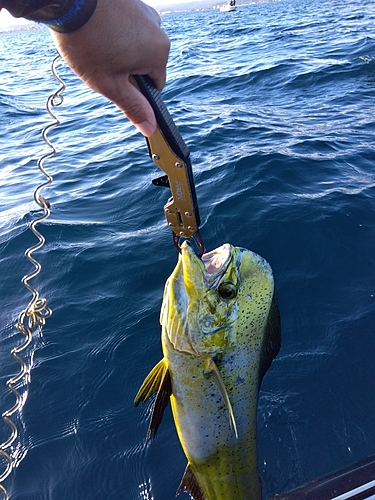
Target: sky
(7,20)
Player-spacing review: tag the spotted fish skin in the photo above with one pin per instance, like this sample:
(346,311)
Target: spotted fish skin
(220,332)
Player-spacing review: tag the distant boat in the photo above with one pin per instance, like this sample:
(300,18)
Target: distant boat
(228,7)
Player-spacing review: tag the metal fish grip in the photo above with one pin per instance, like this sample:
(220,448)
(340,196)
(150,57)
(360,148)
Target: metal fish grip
(169,152)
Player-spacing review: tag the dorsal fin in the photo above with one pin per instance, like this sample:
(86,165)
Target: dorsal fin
(272,340)
(190,484)
(151,383)
(212,369)
(161,402)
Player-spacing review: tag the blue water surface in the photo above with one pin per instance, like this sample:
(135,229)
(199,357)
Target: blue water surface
(277,105)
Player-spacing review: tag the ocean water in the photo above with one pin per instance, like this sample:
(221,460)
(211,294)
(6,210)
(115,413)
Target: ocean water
(277,105)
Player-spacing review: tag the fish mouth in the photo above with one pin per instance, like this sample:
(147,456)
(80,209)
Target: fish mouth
(212,265)
(216,264)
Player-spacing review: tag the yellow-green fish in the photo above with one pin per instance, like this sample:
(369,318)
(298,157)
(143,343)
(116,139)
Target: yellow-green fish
(220,332)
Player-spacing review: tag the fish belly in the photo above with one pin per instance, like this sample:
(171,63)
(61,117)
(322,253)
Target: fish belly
(225,466)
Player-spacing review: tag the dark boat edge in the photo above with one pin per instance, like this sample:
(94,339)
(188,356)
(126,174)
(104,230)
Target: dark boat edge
(356,482)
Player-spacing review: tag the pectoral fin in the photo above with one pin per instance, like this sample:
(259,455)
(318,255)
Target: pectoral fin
(151,383)
(157,380)
(212,369)
(161,402)
(190,484)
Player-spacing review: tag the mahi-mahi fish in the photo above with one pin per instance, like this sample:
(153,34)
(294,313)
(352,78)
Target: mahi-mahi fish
(220,333)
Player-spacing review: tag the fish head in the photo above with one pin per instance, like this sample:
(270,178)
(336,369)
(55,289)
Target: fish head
(209,301)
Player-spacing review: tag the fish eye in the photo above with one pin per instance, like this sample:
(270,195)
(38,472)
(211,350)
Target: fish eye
(227,291)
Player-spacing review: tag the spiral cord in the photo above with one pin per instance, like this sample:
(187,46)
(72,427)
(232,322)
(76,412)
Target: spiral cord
(37,311)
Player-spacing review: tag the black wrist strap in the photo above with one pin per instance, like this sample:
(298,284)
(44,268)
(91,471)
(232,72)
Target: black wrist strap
(79,13)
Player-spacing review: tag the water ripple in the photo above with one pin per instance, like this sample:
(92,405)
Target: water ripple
(276,106)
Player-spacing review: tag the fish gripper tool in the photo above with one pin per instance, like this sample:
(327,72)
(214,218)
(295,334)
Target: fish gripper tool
(169,152)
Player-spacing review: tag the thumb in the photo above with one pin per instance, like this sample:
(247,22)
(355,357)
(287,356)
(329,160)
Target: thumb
(137,109)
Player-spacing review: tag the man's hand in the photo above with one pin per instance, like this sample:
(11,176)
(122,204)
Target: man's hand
(122,38)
